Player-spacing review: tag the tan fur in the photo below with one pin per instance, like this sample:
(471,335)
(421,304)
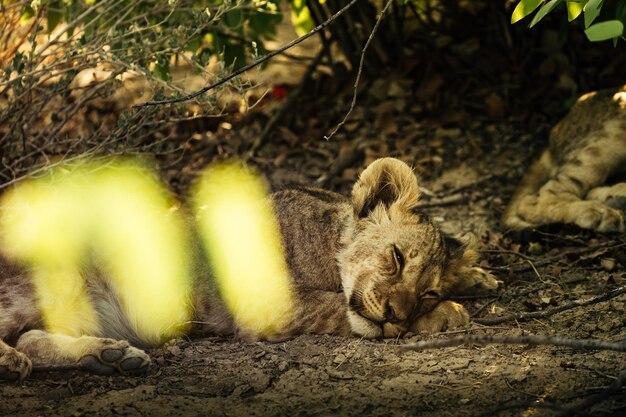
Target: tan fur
(566,184)
(371,265)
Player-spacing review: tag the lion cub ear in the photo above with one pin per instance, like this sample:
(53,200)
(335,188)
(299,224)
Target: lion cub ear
(388,181)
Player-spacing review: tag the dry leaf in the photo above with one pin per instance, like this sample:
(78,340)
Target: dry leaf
(495,105)
(429,87)
(608,264)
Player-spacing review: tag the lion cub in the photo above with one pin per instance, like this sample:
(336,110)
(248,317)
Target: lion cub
(568,184)
(371,265)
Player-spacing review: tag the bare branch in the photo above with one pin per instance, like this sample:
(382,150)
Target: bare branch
(545,261)
(489,321)
(359,72)
(614,388)
(287,106)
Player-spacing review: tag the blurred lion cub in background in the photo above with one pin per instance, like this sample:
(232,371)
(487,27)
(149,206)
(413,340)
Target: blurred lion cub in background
(579,178)
(371,265)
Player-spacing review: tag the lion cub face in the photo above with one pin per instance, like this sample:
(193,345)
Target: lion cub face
(397,265)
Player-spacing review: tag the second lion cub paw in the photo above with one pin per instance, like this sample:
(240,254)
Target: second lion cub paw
(446,315)
(483,279)
(109,356)
(13,364)
(596,216)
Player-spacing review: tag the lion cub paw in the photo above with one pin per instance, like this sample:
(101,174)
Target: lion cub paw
(114,355)
(482,279)
(445,316)
(597,216)
(14,365)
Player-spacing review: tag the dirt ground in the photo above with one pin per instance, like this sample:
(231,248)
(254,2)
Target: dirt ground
(470,181)
(470,161)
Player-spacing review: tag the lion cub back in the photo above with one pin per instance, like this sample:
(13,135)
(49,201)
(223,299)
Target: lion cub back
(597,119)
(312,222)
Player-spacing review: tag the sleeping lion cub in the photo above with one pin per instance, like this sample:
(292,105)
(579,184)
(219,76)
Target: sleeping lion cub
(579,179)
(371,266)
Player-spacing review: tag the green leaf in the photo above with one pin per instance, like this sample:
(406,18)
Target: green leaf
(194,44)
(545,9)
(604,30)
(204,56)
(524,8)
(301,17)
(162,68)
(264,24)
(18,62)
(574,9)
(234,54)
(27,13)
(592,10)
(621,12)
(233,19)
(54,17)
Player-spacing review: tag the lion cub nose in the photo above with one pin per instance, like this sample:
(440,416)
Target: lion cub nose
(390,314)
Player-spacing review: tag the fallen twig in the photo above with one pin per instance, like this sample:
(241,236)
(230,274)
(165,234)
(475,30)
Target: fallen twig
(510,252)
(465,187)
(347,156)
(545,261)
(534,340)
(581,409)
(544,405)
(251,65)
(445,201)
(547,313)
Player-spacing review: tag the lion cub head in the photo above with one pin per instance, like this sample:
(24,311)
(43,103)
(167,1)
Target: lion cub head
(397,265)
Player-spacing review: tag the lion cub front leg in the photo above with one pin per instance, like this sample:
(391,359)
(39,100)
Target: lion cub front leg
(95,354)
(445,316)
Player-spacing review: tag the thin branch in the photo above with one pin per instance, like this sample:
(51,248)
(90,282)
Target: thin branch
(287,105)
(533,340)
(541,262)
(360,71)
(577,409)
(509,252)
(249,66)
(581,408)
(543,405)
(547,313)
(444,202)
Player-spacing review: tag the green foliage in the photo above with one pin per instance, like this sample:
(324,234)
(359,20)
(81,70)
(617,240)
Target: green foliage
(612,14)
(204,27)
(301,17)
(50,104)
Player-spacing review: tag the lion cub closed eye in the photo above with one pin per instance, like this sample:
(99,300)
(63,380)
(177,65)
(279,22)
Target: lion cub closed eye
(370,265)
